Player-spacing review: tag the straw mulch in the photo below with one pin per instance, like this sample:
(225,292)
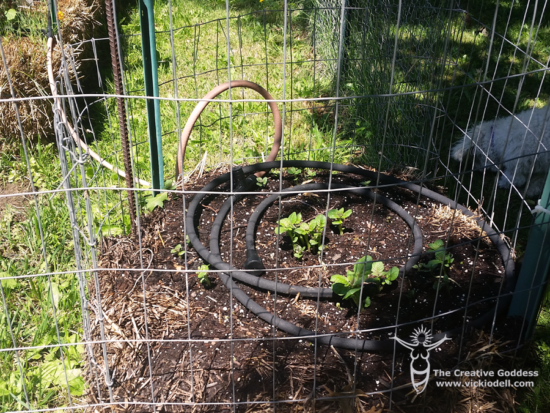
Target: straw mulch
(207,374)
(26,64)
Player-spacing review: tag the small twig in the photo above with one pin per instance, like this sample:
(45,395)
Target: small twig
(150,261)
(135,326)
(350,377)
(210,208)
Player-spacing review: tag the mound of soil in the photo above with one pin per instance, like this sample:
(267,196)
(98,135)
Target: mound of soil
(174,341)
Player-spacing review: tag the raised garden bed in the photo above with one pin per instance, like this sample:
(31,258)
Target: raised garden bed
(179,308)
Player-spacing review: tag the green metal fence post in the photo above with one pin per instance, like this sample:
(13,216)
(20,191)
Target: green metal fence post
(53,17)
(149,53)
(534,271)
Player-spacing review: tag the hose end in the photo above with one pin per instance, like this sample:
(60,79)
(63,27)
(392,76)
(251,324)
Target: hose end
(240,182)
(254,263)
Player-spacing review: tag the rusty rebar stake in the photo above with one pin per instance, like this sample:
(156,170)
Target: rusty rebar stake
(115,61)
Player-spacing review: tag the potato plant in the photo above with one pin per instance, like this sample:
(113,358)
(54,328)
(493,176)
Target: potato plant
(364,271)
(440,264)
(303,235)
(202,275)
(338,216)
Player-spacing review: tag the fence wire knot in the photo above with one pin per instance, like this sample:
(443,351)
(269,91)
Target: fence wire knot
(82,159)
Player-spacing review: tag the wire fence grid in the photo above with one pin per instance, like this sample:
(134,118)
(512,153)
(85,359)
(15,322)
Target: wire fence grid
(377,91)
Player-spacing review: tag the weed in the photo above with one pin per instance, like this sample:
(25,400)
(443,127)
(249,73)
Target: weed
(156,201)
(338,216)
(30,302)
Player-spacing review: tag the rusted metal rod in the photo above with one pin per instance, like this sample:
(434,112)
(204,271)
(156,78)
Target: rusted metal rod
(117,74)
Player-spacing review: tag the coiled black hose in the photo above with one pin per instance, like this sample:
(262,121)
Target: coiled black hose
(216,260)
(243,184)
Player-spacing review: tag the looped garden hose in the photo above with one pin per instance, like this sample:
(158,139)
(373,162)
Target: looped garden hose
(232,273)
(186,133)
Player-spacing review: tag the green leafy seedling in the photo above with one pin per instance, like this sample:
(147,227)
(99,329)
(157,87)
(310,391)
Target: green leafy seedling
(316,226)
(310,233)
(304,235)
(383,277)
(349,287)
(298,251)
(290,225)
(178,250)
(311,173)
(261,182)
(338,216)
(364,271)
(294,171)
(365,183)
(202,275)
(441,263)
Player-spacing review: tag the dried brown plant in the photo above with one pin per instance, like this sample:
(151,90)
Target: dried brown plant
(26,65)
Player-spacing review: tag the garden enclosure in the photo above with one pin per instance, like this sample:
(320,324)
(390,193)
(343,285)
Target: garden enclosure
(221,288)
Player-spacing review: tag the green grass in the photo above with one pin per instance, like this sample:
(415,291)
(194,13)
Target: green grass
(516,94)
(20,21)
(419,65)
(41,310)
(537,399)
(201,64)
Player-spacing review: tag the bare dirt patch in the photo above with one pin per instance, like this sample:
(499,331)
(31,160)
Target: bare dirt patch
(16,203)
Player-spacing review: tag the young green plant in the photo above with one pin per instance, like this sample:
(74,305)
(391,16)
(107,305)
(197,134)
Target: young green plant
(303,235)
(364,271)
(178,250)
(338,216)
(261,182)
(202,275)
(440,264)
(310,173)
(294,172)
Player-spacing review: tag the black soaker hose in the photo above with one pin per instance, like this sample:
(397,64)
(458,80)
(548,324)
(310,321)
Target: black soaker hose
(331,339)
(216,260)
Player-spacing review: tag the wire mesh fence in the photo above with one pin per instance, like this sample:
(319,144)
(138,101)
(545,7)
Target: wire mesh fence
(399,144)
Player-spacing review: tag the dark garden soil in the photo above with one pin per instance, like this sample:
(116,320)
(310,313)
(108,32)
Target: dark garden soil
(253,367)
